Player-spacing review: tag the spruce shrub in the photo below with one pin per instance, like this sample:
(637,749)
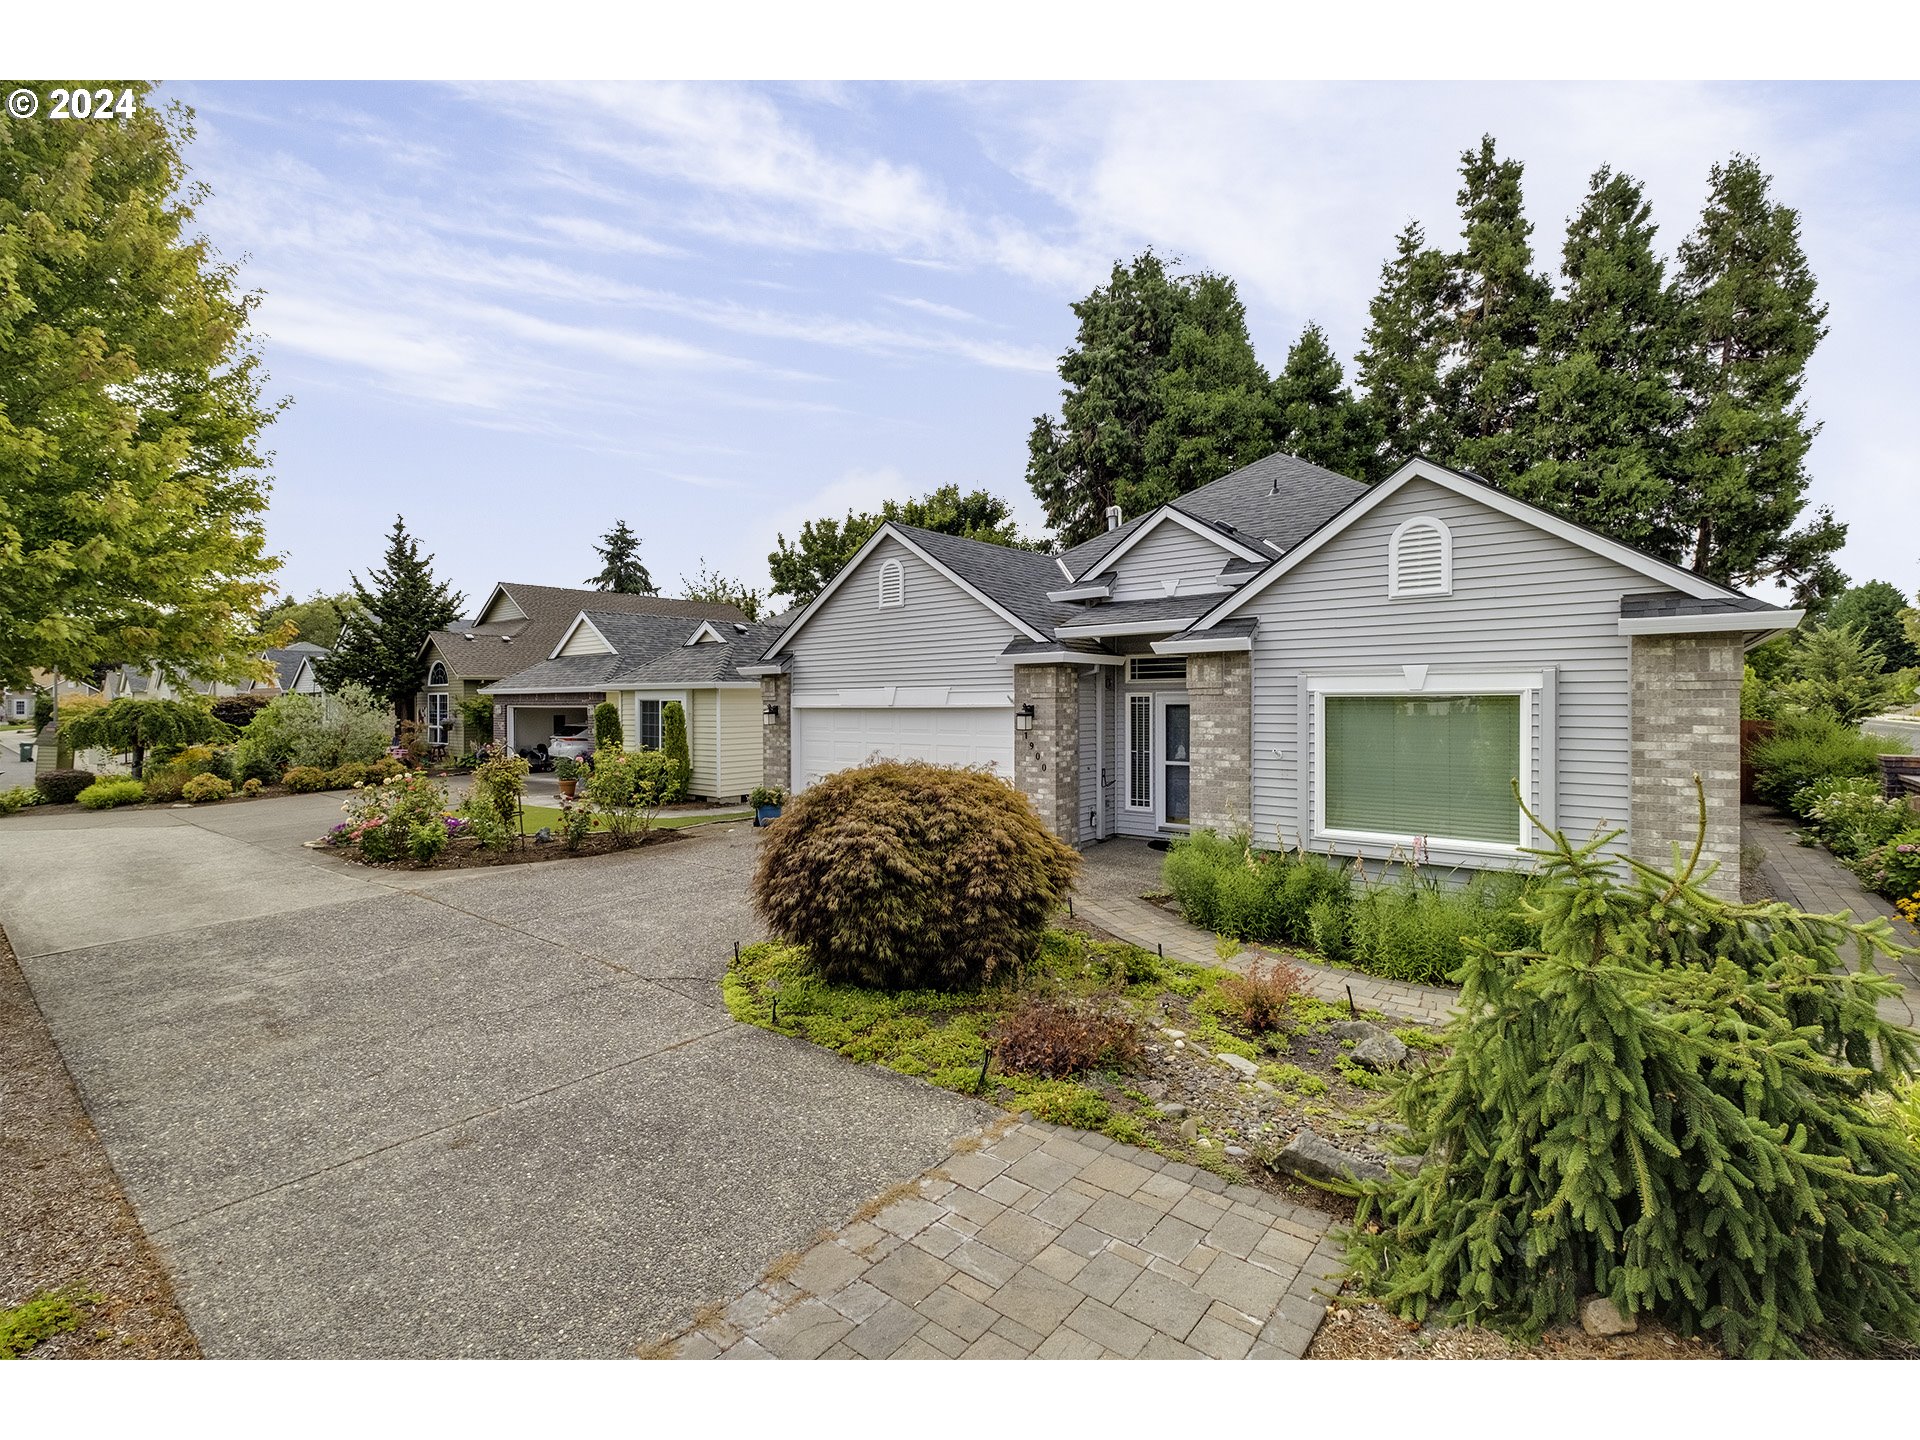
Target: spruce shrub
(1678,1102)
(62,787)
(1807,748)
(909,875)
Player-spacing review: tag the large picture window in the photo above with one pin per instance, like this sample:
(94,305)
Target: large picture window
(1434,766)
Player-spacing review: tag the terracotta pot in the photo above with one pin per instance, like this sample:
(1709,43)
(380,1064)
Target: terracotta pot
(566,788)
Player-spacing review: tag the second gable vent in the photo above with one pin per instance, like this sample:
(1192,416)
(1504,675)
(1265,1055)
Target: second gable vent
(1420,558)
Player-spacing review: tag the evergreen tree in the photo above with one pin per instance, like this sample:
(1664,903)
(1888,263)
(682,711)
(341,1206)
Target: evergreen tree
(802,569)
(399,606)
(1750,322)
(1835,671)
(673,745)
(1163,394)
(1599,442)
(1672,1100)
(620,569)
(1319,419)
(1497,302)
(1216,409)
(1875,608)
(133,485)
(1407,325)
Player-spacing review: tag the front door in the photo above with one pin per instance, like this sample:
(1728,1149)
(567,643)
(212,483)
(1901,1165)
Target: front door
(1175,728)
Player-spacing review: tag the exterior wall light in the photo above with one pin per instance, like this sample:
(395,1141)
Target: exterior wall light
(770,716)
(1023,719)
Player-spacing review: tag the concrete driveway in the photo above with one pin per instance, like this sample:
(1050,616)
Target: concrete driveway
(476,1113)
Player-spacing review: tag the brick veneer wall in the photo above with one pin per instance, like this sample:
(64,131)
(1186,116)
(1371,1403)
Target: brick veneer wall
(1220,691)
(776,740)
(1685,702)
(1046,758)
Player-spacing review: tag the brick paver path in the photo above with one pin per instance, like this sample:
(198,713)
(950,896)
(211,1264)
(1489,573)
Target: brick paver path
(1808,876)
(1115,873)
(1036,1241)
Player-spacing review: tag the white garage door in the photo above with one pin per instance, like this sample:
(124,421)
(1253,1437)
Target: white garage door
(827,740)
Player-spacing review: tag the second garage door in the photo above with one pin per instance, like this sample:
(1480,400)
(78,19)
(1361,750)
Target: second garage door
(830,739)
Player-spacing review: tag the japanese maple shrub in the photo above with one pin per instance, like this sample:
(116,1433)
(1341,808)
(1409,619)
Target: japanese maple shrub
(908,875)
(1679,1102)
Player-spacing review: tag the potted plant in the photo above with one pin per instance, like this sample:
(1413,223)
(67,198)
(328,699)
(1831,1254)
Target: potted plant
(766,800)
(567,771)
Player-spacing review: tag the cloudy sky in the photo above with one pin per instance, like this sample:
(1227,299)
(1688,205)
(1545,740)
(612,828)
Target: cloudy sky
(515,313)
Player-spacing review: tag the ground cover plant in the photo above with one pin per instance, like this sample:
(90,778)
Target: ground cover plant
(1402,924)
(1684,1104)
(1103,1036)
(106,794)
(18,798)
(911,875)
(41,1317)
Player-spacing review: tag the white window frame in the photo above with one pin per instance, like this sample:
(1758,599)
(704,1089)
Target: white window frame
(1395,589)
(438,668)
(22,708)
(439,717)
(1146,806)
(1528,685)
(892,584)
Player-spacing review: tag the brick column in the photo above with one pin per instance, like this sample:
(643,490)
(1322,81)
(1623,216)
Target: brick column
(776,740)
(1220,692)
(1685,721)
(1046,758)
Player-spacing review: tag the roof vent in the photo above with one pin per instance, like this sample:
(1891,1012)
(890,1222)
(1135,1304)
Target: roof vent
(1113,517)
(1276,485)
(738,628)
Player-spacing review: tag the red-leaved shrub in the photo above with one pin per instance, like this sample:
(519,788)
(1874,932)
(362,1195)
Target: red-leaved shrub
(1261,999)
(1054,1038)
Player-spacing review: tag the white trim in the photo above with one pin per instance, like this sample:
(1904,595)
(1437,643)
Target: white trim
(762,667)
(893,575)
(1100,741)
(904,697)
(600,689)
(1162,699)
(1396,588)
(1127,627)
(1673,576)
(1065,657)
(706,628)
(499,589)
(1528,685)
(445,674)
(1126,746)
(579,620)
(1169,512)
(1202,644)
(1727,622)
(1060,564)
(813,606)
(1081,592)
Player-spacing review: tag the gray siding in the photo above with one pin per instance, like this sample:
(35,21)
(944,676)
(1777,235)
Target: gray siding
(1522,600)
(1091,699)
(942,636)
(1171,552)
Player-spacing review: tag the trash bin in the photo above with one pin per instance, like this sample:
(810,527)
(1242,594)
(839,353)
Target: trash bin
(26,751)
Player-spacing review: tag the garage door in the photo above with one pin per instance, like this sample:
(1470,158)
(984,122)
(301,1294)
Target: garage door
(834,739)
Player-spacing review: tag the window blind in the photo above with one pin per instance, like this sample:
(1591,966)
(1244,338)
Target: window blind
(1432,765)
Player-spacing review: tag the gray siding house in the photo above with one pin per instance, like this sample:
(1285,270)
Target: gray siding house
(1286,653)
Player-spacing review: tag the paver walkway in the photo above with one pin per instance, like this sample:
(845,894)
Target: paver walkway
(1035,1241)
(1116,873)
(1809,876)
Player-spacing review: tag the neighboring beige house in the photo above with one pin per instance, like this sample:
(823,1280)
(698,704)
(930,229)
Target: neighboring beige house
(642,663)
(518,627)
(292,671)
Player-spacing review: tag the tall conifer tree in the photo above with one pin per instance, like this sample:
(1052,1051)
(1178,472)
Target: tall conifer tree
(1751,322)
(1400,364)
(395,610)
(620,568)
(1599,441)
(1320,421)
(1497,303)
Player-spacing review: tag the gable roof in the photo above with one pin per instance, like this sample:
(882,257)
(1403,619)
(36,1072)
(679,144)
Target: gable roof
(1476,487)
(648,651)
(1233,546)
(287,660)
(499,648)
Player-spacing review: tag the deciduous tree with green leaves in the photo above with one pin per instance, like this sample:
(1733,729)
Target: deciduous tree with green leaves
(1671,1100)
(133,486)
(620,569)
(399,605)
(133,727)
(316,619)
(718,589)
(801,570)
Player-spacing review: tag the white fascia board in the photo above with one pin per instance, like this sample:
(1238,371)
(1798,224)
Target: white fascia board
(813,606)
(1202,644)
(1123,627)
(499,589)
(579,620)
(706,628)
(1672,576)
(1081,592)
(1168,512)
(763,667)
(1066,657)
(1778,622)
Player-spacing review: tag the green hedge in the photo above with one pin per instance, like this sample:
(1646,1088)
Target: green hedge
(1804,749)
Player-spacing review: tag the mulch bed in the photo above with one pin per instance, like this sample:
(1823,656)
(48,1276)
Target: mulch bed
(1366,1332)
(466,854)
(63,1217)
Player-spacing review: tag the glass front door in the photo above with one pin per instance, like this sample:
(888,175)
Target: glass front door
(1175,727)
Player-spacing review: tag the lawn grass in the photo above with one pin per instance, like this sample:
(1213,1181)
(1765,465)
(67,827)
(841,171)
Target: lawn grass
(548,816)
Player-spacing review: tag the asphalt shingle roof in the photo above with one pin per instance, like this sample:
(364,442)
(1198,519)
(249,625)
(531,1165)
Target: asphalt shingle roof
(286,662)
(649,650)
(1661,604)
(1127,612)
(499,646)
(1016,579)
